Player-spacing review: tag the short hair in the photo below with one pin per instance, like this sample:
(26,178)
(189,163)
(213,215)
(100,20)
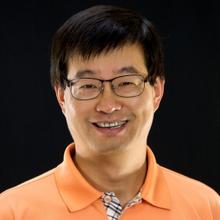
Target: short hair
(100,29)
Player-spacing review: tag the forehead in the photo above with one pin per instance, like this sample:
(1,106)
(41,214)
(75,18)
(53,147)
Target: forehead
(108,63)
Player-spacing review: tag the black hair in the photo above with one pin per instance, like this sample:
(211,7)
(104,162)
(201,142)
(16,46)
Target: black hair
(100,29)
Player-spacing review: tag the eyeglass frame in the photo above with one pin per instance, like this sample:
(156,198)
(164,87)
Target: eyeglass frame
(69,85)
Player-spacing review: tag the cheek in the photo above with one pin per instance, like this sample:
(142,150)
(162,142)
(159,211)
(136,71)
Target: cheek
(74,118)
(76,112)
(143,104)
(144,109)
(70,110)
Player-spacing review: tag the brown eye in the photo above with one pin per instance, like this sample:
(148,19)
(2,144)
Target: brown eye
(126,84)
(88,86)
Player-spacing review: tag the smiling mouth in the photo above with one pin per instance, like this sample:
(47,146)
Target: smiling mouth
(110,125)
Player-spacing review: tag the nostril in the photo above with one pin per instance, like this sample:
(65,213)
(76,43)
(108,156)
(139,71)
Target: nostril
(108,102)
(108,108)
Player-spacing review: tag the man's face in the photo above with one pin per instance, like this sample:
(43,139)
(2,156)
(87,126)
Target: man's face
(133,115)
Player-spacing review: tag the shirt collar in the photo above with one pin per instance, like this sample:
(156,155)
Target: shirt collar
(155,189)
(77,193)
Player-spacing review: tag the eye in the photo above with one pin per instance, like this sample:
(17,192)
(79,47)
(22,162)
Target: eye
(125,84)
(88,86)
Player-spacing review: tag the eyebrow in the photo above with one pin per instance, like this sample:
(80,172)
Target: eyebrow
(88,72)
(84,73)
(127,70)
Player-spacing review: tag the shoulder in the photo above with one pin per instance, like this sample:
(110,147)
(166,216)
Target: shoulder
(30,190)
(185,183)
(32,196)
(36,181)
(190,192)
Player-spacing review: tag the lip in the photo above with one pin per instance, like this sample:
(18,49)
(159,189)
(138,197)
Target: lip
(109,120)
(111,131)
(115,123)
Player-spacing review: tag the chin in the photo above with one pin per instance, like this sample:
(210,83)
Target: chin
(106,148)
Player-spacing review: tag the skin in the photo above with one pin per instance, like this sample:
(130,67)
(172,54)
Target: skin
(111,159)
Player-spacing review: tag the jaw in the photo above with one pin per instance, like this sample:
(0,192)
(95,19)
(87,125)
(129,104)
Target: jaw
(114,140)
(92,139)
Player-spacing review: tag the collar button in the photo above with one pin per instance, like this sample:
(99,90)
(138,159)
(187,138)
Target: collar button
(107,199)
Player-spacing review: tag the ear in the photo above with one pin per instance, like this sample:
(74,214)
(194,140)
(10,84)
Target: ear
(60,96)
(158,91)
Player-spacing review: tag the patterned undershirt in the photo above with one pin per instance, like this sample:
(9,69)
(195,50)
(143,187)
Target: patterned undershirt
(113,206)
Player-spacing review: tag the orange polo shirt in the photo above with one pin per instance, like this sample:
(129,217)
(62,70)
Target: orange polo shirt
(64,194)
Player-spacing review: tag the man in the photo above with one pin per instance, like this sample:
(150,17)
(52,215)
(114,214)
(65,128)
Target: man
(107,72)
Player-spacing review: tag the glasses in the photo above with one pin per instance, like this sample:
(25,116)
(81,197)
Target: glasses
(124,86)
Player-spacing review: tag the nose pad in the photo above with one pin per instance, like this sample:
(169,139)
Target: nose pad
(108,102)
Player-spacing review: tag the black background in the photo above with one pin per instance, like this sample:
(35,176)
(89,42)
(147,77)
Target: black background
(185,133)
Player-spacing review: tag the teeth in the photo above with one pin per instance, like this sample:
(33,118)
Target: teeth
(111,124)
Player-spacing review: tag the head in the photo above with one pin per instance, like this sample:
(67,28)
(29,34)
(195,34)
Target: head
(100,29)
(107,41)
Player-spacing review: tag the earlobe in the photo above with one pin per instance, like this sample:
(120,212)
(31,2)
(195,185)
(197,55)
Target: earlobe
(60,96)
(159,90)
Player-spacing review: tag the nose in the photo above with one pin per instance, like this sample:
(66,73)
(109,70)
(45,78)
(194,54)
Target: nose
(108,102)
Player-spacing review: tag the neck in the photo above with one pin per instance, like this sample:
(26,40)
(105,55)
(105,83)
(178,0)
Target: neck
(122,173)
